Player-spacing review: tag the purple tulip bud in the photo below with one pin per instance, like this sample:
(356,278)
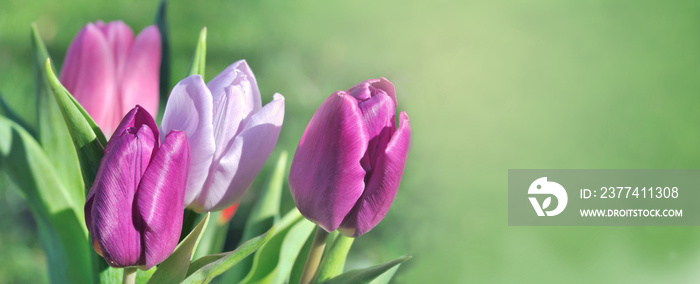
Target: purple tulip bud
(349,163)
(108,71)
(231,133)
(135,207)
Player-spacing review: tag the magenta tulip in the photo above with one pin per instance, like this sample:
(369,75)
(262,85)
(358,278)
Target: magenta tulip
(108,71)
(349,163)
(231,133)
(135,207)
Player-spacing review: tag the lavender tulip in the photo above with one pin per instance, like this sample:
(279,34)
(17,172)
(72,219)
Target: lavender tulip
(231,133)
(349,163)
(135,208)
(108,71)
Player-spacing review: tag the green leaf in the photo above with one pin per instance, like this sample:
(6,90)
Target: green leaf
(88,139)
(52,133)
(300,261)
(175,267)
(59,219)
(200,55)
(333,261)
(273,262)
(264,214)
(266,211)
(213,237)
(367,275)
(162,24)
(385,278)
(8,112)
(142,276)
(111,275)
(329,241)
(205,269)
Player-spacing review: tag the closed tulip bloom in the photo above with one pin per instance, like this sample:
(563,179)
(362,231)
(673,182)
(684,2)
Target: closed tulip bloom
(230,132)
(135,207)
(348,166)
(109,71)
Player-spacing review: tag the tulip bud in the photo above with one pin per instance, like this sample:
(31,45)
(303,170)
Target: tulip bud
(135,207)
(348,166)
(231,134)
(108,71)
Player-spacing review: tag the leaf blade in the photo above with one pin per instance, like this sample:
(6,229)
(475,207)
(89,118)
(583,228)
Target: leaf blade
(200,55)
(265,213)
(273,262)
(333,261)
(368,274)
(59,219)
(174,268)
(87,137)
(52,132)
(227,260)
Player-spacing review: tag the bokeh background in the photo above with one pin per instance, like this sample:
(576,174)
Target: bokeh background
(489,85)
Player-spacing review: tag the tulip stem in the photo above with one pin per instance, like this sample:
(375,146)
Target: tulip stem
(129,275)
(314,256)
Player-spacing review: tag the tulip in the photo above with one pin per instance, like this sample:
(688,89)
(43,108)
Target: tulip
(135,207)
(348,166)
(108,71)
(230,132)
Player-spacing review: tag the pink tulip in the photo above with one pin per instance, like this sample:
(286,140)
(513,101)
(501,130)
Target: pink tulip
(109,72)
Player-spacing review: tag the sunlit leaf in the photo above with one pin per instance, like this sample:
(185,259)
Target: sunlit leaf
(175,267)
(200,55)
(205,269)
(274,261)
(333,261)
(368,274)
(88,139)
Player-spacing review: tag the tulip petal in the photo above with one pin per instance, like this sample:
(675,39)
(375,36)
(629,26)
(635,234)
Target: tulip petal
(378,113)
(140,78)
(326,177)
(189,109)
(88,73)
(160,198)
(232,111)
(135,118)
(386,86)
(111,217)
(119,36)
(238,73)
(231,175)
(382,184)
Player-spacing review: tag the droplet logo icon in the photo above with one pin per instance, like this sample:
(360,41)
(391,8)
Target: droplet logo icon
(541,186)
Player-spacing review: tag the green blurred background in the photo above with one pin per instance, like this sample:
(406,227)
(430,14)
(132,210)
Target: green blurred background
(489,86)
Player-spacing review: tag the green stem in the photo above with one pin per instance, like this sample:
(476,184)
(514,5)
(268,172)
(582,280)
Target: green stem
(129,275)
(334,260)
(315,255)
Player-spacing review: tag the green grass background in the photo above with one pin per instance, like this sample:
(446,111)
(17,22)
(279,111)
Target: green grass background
(489,86)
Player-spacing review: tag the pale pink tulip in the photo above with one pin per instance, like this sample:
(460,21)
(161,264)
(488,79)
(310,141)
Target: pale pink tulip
(109,71)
